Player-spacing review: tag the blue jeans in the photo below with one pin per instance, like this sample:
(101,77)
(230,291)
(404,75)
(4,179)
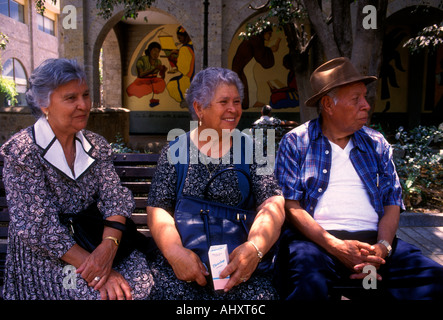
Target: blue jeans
(305,271)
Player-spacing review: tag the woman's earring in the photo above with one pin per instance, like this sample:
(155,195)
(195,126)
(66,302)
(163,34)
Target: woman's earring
(46,115)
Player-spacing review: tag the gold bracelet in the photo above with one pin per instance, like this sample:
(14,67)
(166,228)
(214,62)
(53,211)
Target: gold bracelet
(259,253)
(116,241)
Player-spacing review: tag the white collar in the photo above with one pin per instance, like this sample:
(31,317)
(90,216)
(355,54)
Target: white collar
(53,151)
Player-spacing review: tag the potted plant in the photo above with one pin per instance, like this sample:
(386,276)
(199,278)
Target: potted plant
(8,93)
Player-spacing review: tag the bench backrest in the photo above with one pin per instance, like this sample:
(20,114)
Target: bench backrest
(135,171)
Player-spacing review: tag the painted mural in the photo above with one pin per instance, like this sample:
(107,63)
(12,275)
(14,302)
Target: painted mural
(393,84)
(262,63)
(150,75)
(161,70)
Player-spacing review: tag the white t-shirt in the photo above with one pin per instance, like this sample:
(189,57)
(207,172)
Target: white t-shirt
(345,205)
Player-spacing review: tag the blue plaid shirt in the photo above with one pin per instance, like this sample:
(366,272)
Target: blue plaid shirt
(304,162)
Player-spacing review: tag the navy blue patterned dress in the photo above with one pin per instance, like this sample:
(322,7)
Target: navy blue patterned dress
(224,189)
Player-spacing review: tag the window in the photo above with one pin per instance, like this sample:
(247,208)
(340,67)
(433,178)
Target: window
(13,10)
(13,69)
(45,24)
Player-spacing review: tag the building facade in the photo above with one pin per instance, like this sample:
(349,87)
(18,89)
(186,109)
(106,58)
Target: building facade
(114,53)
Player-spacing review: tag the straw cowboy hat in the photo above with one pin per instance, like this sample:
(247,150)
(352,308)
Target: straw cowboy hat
(332,74)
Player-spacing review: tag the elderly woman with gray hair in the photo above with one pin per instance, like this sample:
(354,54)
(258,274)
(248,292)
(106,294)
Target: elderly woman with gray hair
(214,98)
(53,169)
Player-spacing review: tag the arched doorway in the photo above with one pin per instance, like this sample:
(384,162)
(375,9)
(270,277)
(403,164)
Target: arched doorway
(409,89)
(159,97)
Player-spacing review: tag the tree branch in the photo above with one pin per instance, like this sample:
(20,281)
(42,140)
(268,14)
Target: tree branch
(326,38)
(341,13)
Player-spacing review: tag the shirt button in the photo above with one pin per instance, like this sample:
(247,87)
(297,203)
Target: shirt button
(325,171)
(327,152)
(312,208)
(320,190)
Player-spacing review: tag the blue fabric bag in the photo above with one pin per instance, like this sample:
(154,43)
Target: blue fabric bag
(202,223)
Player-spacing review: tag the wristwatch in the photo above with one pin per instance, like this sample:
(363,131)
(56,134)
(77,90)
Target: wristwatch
(387,245)
(116,241)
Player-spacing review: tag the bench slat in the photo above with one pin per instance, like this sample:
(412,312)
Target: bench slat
(140,203)
(3,246)
(3,232)
(4,215)
(139,218)
(137,187)
(135,158)
(3,202)
(125,172)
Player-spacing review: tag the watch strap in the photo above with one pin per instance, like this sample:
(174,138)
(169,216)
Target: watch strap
(387,245)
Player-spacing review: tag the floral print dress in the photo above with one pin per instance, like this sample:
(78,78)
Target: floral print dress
(224,189)
(40,188)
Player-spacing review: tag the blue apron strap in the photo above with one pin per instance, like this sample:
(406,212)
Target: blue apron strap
(181,167)
(246,161)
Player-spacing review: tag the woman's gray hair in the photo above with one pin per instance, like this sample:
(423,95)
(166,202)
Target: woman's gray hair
(205,83)
(47,77)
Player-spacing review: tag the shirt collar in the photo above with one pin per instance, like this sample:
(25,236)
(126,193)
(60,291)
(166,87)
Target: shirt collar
(316,132)
(53,152)
(360,140)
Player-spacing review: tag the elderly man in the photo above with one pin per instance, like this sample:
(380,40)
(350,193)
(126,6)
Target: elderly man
(343,199)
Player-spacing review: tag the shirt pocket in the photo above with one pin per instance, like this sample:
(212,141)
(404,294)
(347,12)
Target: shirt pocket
(383,183)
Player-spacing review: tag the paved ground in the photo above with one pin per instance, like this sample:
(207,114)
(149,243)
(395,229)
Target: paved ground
(425,231)
(428,239)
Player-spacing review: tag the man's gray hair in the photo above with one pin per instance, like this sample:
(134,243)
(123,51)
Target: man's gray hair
(47,77)
(205,83)
(333,94)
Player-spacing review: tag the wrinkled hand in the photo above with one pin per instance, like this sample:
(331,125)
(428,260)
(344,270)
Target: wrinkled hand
(243,261)
(355,255)
(353,252)
(115,288)
(377,250)
(187,266)
(98,264)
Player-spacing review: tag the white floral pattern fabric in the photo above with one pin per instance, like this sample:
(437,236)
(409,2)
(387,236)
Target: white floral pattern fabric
(38,192)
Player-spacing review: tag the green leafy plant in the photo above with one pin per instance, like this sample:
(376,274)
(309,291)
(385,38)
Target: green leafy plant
(280,13)
(106,7)
(430,37)
(419,163)
(119,146)
(7,86)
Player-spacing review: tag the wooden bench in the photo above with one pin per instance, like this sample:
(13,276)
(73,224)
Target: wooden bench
(135,170)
